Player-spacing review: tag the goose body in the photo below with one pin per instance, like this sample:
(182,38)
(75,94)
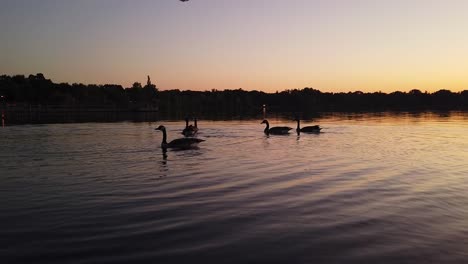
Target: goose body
(180,143)
(307,129)
(279,130)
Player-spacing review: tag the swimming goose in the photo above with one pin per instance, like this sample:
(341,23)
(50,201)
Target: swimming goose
(275,130)
(189,130)
(180,143)
(307,129)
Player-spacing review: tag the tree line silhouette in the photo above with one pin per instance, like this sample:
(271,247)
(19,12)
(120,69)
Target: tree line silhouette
(37,90)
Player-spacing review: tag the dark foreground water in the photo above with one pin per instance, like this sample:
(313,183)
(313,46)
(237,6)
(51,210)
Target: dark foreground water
(369,189)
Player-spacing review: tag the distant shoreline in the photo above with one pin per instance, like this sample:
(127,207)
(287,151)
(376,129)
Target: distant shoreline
(35,97)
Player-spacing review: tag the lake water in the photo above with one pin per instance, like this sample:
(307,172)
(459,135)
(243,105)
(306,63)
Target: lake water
(372,188)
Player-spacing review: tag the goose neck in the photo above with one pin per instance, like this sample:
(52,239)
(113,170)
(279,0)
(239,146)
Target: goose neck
(164,139)
(267,128)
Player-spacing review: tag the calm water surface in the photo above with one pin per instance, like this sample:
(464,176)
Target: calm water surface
(369,189)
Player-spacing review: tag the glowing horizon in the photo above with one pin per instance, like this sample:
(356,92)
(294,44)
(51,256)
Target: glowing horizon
(267,45)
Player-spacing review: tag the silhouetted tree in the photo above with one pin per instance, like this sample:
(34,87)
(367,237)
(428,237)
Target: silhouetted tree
(136,85)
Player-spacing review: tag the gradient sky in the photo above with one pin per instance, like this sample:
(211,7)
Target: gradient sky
(269,45)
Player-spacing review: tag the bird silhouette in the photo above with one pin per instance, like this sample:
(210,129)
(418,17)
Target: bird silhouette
(307,129)
(275,130)
(190,130)
(179,143)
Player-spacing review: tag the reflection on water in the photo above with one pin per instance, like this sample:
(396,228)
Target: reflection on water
(375,188)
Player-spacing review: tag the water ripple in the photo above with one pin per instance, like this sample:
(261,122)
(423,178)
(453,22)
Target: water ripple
(383,189)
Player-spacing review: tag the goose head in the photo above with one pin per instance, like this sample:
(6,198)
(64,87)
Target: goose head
(264,121)
(160,128)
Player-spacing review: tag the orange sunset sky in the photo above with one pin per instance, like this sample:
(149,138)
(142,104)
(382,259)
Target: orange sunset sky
(269,45)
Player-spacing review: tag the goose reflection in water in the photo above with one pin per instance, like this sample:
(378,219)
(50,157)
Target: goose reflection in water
(177,157)
(163,168)
(179,143)
(279,130)
(164,155)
